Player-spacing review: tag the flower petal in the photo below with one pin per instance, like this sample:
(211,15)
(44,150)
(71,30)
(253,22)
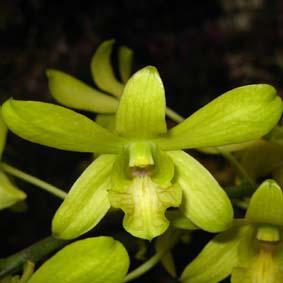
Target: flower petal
(179,220)
(144,204)
(102,71)
(217,259)
(73,93)
(3,133)
(125,62)
(9,193)
(266,204)
(100,259)
(141,112)
(58,127)
(242,114)
(106,121)
(87,202)
(204,201)
(143,198)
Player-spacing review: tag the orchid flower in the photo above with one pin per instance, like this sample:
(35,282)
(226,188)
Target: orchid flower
(251,250)
(141,167)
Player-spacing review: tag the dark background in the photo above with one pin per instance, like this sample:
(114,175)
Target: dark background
(201,48)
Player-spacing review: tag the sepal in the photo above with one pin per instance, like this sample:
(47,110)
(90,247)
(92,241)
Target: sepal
(9,193)
(204,202)
(141,112)
(71,92)
(242,114)
(102,71)
(266,205)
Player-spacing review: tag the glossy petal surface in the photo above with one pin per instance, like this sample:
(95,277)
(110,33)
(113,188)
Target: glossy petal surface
(266,204)
(58,127)
(217,259)
(73,93)
(99,260)
(102,71)
(9,193)
(204,201)
(239,115)
(125,62)
(141,112)
(87,202)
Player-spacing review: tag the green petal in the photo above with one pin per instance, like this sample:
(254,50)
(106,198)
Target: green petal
(143,199)
(217,260)
(179,220)
(9,193)
(144,204)
(141,112)
(261,159)
(106,121)
(240,115)
(58,127)
(102,71)
(266,204)
(248,247)
(164,168)
(125,62)
(87,202)
(73,93)
(3,133)
(99,260)
(204,201)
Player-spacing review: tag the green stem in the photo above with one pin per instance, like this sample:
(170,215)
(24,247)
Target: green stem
(151,262)
(33,180)
(33,253)
(174,115)
(144,267)
(28,271)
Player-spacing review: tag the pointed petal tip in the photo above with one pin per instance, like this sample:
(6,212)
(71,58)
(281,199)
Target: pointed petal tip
(102,70)
(51,72)
(108,42)
(104,44)
(266,204)
(149,70)
(256,110)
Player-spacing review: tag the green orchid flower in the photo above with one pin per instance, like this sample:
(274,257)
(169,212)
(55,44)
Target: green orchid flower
(73,93)
(251,250)
(141,168)
(99,259)
(9,193)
